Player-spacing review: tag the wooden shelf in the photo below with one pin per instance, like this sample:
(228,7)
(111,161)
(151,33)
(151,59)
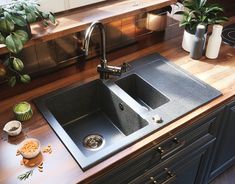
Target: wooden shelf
(76,20)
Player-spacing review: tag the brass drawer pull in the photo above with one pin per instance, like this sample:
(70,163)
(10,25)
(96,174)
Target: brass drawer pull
(170,177)
(164,152)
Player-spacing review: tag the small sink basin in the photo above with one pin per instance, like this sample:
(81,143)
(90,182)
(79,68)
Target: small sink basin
(93,118)
(142,92)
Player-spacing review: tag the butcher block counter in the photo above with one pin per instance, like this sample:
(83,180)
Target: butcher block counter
(58,165)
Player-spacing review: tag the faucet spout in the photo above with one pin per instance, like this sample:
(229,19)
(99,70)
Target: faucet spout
(103,68)
(103,40)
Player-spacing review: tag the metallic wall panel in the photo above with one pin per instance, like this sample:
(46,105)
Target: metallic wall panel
(66,48)
(46,54)
(58,52)
(29,57)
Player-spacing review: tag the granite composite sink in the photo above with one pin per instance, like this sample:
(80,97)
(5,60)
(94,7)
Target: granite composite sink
(99,118)
(90,120)
(140,90)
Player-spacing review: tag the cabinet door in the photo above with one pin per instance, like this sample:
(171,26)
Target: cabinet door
(225,149)
(185,173)
(170,148)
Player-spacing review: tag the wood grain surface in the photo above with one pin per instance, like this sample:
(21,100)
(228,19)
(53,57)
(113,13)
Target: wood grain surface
(59,167)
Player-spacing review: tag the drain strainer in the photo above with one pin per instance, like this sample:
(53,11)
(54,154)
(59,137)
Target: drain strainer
(93,142)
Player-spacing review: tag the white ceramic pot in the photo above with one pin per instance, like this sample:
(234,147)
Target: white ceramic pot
(187,42)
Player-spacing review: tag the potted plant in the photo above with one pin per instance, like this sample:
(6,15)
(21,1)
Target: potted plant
(15,19)
(198,12)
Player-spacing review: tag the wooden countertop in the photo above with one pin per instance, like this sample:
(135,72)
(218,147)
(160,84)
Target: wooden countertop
(59,166)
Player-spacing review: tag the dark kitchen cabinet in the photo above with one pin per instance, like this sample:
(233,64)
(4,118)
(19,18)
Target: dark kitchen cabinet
(223,154)
(181,168)
(181,159)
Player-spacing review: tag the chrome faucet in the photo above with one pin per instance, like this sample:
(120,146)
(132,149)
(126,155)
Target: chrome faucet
(103,68)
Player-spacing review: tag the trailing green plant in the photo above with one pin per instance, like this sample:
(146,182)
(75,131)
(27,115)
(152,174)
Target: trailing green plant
(15,32)
(200,12)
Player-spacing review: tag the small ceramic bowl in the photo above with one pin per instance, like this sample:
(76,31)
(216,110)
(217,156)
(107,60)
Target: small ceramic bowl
(23,111)
(29,148)
(13,128)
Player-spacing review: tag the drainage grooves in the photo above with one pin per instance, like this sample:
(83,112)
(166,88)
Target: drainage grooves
(93,142)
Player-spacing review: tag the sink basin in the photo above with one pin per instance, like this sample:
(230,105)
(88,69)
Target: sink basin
(91,117)
(140,90)
(99,118)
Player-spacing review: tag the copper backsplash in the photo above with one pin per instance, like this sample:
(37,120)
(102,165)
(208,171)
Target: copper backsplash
(64,51)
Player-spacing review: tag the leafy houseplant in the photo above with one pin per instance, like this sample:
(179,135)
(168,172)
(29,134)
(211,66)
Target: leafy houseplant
(15,32)
(200,12)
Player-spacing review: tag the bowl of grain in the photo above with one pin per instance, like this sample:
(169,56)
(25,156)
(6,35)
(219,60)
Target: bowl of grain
(29,148)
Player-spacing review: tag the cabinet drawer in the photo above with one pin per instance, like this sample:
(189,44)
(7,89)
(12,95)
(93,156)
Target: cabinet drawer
(130,169)
(182,168)
(184,138)
(158,153)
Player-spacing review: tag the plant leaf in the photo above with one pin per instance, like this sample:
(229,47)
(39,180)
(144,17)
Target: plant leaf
(22,35)
(2,39)
(45,23)
(6,25)
(25,78)
(31,17)
(14,44)
(19,20)
(12,81)
(45,15)
(202,2)
(17,64)
(52,18)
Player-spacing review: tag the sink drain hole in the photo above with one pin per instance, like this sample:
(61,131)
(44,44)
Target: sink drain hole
(93,142)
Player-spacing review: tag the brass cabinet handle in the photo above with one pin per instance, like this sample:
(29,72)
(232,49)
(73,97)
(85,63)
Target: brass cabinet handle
(170,177)
(165,152)
(153,180)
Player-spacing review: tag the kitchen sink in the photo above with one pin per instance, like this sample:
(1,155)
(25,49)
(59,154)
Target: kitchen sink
(96,119)
(92,108)
(140,90)
(91,117)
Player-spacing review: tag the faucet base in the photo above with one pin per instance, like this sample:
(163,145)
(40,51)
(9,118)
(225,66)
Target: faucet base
(109,70)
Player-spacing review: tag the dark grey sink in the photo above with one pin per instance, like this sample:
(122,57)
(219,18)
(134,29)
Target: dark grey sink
(99,118)
(140,90)
(92,108)
(91,118)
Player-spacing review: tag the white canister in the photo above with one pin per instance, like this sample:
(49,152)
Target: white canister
(214,42)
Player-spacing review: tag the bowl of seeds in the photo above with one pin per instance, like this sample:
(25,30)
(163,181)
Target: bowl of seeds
(13,128)
(29,148)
